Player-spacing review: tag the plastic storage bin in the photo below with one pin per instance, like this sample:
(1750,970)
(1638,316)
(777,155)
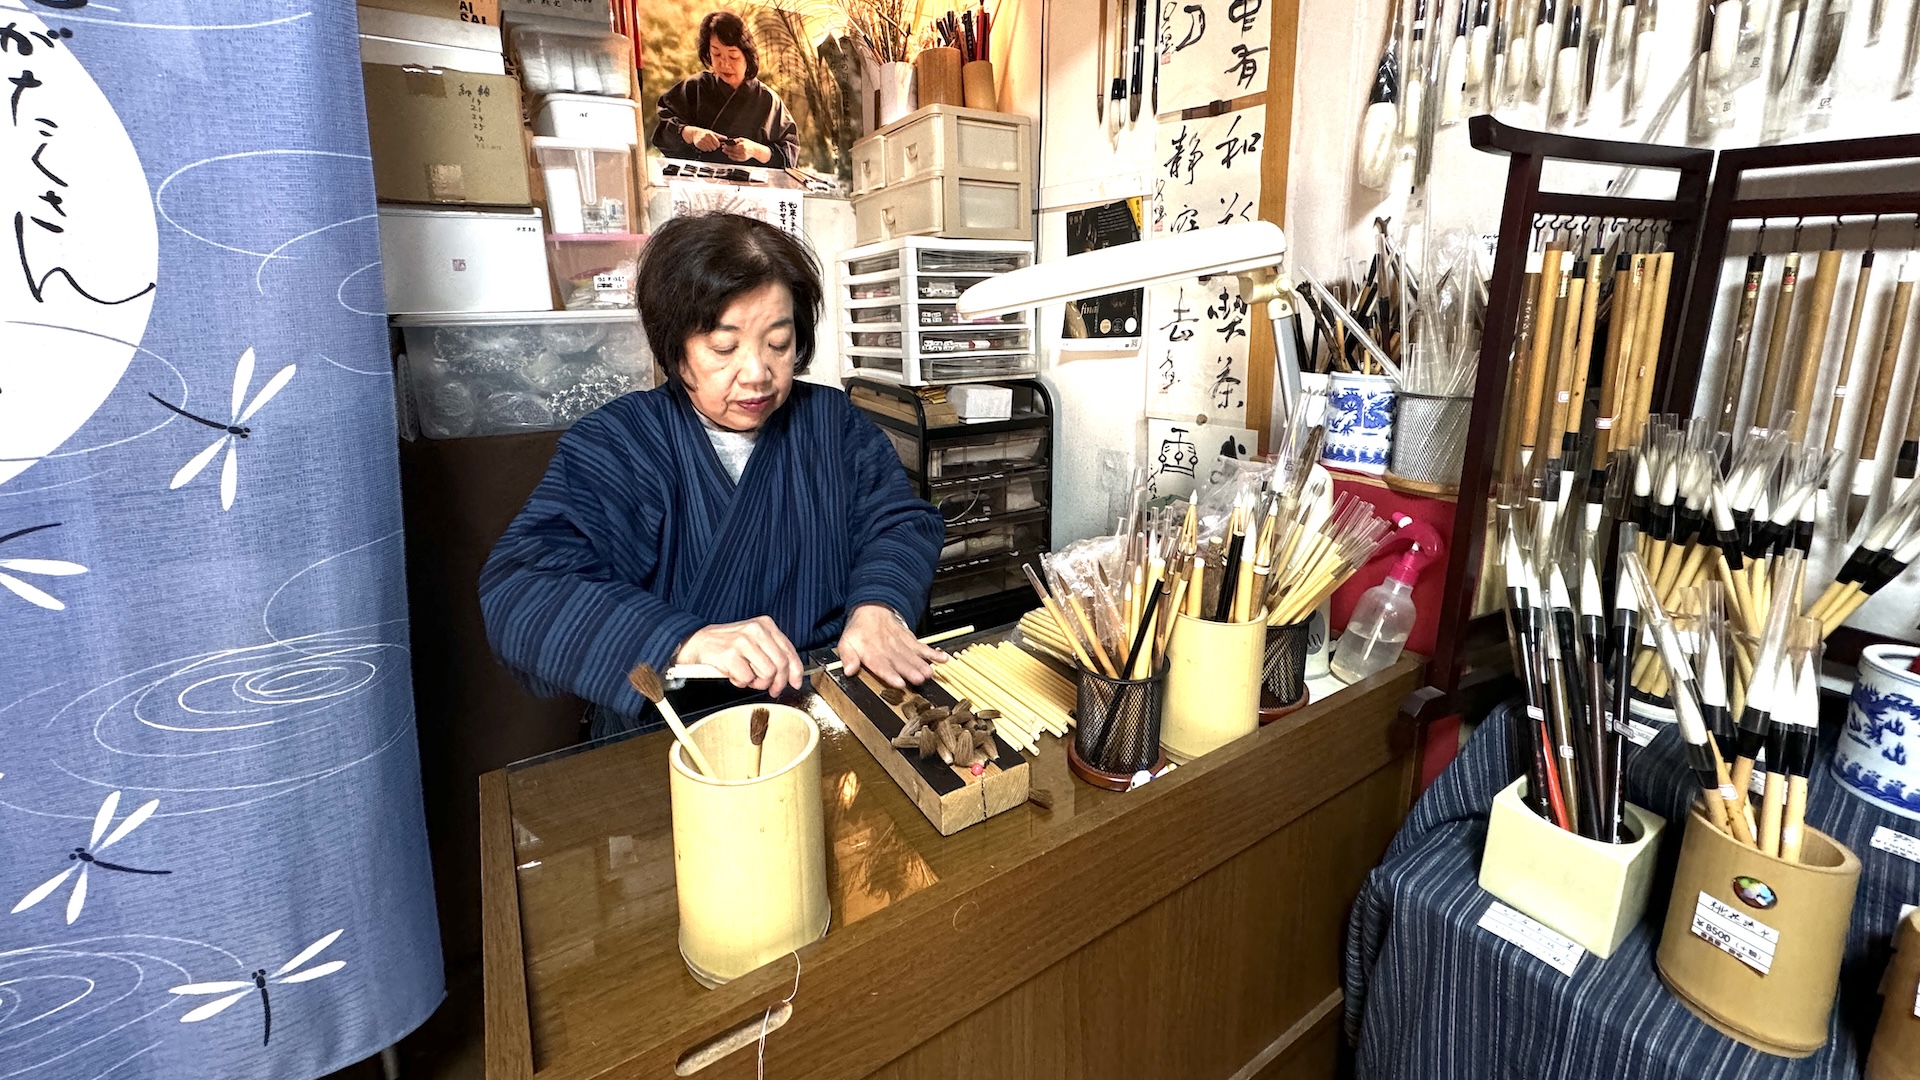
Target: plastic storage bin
(555,61)
(504,373)
(900,322)
(589,188)
(588,118)
(596,270)
(439,260)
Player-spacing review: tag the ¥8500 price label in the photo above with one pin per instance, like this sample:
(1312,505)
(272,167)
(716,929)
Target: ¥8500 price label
(1742,937)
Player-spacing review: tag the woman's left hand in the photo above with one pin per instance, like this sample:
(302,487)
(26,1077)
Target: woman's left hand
(876,640)
(747,150)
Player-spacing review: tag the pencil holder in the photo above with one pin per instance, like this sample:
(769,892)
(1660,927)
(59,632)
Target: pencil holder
(1116,729)
(937,73)
(1752,943)
(1213,685)
(1359,422)
(1896,1042)
(1283,670)
(749,854)
(893,94)
(1430,437)
(1878,758)
(976,81)
(1590,891)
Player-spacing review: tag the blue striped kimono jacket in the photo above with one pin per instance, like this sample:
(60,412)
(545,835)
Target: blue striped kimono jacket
(637,537)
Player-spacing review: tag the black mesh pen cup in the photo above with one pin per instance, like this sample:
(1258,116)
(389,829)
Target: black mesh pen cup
(1116,729)
(1283,672)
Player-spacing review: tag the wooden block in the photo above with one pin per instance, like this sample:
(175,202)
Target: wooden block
(950,796)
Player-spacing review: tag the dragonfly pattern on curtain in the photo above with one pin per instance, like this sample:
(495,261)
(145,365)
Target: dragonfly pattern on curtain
(212,848)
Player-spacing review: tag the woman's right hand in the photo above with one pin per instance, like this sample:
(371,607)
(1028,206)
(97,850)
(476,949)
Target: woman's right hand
(753,654)
(701,139)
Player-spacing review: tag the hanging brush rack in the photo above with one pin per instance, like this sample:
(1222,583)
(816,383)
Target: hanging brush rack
(1469,668)
(1740,197)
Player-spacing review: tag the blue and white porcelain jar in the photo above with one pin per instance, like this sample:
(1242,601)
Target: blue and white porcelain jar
(1879,754)
(1359,423)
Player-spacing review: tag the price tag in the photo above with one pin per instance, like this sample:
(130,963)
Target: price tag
(610,283)
(1640,733)
(1757,783)
(1742,937)
(1560,952)
(1899,843)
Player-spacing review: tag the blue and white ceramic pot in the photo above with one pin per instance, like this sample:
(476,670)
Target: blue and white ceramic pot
(1879,754)
(1359,423)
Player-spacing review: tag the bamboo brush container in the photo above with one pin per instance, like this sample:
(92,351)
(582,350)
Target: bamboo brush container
(1896,1042)
(937,73)
(977,82)
(1213,685)
(1592,892)
(1798,911)
(749,855)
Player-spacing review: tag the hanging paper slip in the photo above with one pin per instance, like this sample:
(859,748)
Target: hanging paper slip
(1207,171)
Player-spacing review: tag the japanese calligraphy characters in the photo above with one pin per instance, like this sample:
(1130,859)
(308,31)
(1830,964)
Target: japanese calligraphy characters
(81,249)
(1197,338)
(1211,50)
(1207,171)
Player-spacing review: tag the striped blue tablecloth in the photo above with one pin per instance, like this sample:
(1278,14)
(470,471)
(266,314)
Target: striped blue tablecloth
(1430,996)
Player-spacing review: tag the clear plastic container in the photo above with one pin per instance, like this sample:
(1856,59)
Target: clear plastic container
(889,315)
(942,260)
(863,340)
(500,373)
(947,315)
(990,366)
(973,341)
(874,290)
(874,264)
(594,271)
(589,188)
(552,61)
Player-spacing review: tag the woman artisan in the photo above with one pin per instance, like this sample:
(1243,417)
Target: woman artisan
(732,517)
(725,113)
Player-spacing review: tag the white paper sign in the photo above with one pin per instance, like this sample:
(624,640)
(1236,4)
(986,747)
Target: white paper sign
(1899,843)
(1207,171)
(1211,50)
(1181,456)
(1197,338)
(1559,951)
(1640,733)
(1739,935)
(778,206)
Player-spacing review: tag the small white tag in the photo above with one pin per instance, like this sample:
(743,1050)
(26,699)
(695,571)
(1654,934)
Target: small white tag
(1728,792)
(1899,843)
(1536,261)
(1906,910)
(1562,396)
(1603,423)
(1640,734)
(1535,712)
(610,283)
(1742,937)
(1560,952)
(1840,391)
(1757,783)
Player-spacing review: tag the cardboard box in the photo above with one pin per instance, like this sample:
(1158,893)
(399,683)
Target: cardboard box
(408,39)
(473,11)
(446,137)
(593,11)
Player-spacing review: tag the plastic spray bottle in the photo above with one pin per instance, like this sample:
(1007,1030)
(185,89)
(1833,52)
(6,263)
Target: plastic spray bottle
(1382,620)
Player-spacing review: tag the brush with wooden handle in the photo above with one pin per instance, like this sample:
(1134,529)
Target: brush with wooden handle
(757,723)
(1813,346)
(1545,312)
(1846,349)
(1777,340)
(1797,755)
(1733,382)
(1889,361)
(647,681)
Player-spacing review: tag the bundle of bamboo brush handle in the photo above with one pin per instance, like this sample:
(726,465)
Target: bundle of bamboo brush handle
(1032,698)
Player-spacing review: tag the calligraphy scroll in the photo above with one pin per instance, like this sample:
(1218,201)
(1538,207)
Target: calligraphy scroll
(1211,50)
(1182,455)
(1197,351)
(1207,171)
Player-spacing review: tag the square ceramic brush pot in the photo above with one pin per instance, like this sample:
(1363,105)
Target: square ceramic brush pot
(1592,892)
(1753,943)
(749,845)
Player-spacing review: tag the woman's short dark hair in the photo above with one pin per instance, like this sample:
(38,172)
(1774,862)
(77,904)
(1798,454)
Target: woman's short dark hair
(732,30)
(693,267)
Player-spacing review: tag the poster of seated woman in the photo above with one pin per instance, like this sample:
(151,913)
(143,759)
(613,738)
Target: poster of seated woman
(725,114)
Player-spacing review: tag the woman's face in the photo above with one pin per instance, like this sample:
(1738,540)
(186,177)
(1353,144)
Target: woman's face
(727,62)
(739,372)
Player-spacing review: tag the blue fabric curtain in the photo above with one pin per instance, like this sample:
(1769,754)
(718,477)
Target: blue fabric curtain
(212,852)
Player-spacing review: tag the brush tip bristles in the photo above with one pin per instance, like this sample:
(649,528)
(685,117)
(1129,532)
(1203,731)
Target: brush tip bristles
(757,723)
(647,681)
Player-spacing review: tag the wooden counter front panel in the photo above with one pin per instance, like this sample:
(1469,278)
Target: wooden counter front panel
(1198,984)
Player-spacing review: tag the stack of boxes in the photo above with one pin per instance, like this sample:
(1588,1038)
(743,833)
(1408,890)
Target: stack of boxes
(509,258)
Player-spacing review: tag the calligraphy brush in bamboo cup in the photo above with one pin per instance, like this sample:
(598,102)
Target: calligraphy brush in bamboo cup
(647,681)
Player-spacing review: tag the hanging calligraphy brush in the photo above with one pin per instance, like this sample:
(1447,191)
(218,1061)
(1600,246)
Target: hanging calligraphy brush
(1566,70)
(1829,32)
(1763,412)
(1137,86)
(1888,361)
(1826,279)
(1909,61)
(1733,379)
(1646,21)
(1620,48)
(1514,45)
(1377,127)
(647,681)
(1480,57)
(1543,41)
(1414,92)
(1785,74)
(1453,80)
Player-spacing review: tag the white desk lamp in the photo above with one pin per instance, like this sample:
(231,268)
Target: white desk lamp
(1251,251)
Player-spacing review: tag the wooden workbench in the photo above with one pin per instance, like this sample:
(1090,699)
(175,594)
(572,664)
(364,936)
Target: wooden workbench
(1190,928)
